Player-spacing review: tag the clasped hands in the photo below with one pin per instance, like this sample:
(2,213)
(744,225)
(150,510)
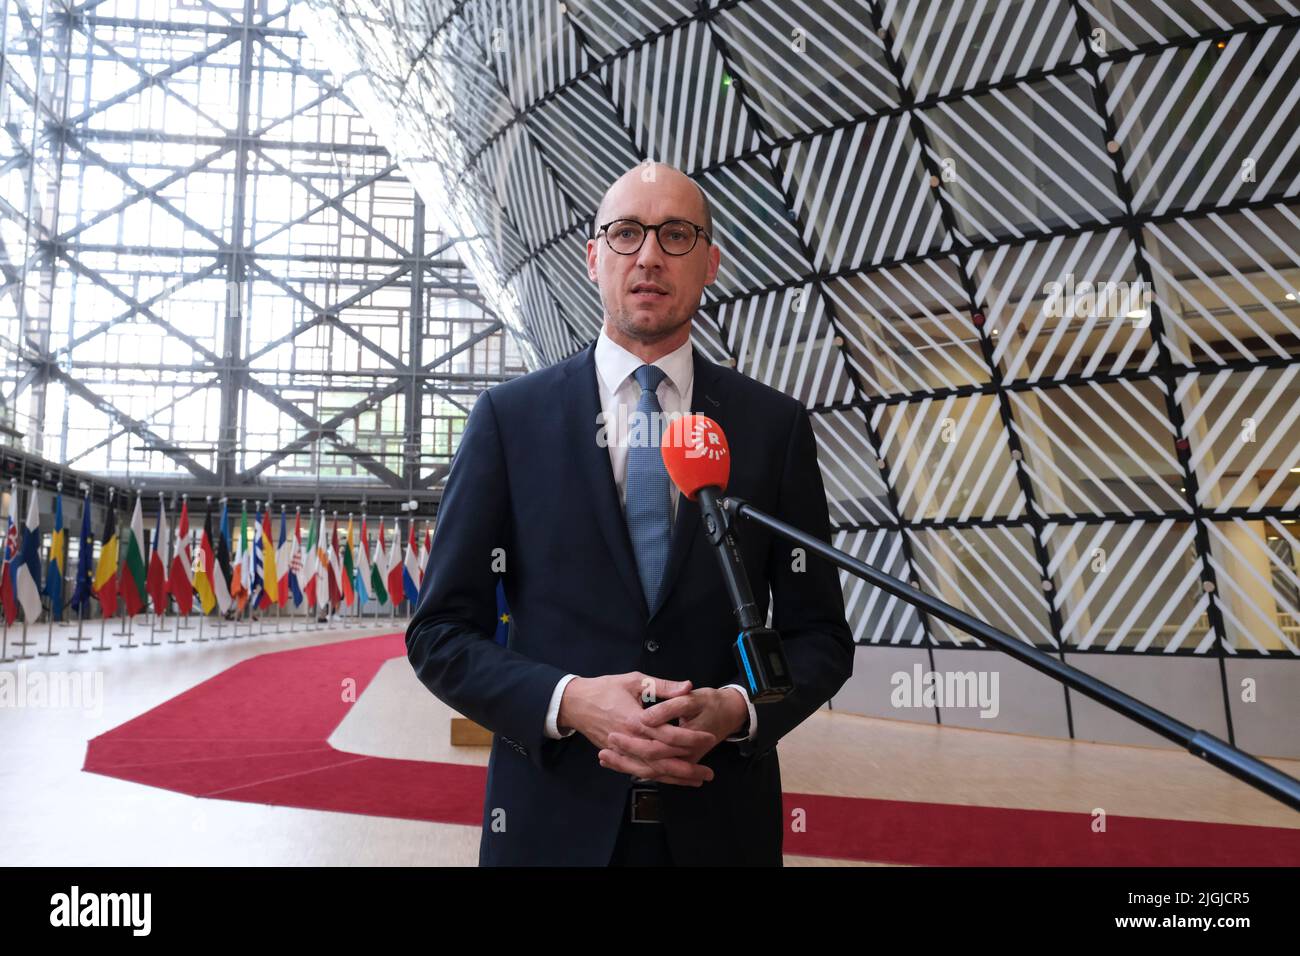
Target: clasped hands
(641,741)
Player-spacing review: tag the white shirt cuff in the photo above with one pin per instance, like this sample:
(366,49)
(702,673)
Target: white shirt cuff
(753,717)
(553,712)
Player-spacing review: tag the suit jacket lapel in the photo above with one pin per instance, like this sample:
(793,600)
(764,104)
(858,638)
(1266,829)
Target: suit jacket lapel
(706,399)
(582,406)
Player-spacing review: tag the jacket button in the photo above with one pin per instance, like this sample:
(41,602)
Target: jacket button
(652,646)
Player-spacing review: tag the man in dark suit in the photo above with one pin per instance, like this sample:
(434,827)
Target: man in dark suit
(616,598)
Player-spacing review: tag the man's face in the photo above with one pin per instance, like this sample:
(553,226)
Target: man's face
(649,295)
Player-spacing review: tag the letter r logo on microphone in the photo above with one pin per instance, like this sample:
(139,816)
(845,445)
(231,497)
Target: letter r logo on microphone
(696,454)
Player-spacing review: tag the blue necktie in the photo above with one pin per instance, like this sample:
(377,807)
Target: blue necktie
(649,505)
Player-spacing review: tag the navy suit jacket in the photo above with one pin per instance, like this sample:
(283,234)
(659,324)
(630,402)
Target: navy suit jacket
(531,491)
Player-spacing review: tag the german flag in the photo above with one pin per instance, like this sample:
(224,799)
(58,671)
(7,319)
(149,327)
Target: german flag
(203,568)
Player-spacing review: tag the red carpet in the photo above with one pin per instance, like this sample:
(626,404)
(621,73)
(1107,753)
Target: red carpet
(257,733)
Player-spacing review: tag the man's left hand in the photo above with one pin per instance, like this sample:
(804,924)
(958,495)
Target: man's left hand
(718,712)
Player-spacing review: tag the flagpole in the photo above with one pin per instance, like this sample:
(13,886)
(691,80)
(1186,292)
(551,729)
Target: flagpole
(322,600)
(239,611)
(216,569)
(257,536)
(158,612)
(237,618)
(167,571)
(121,555)
(356,596)
(252,604)
(81,620)
(4,569)
(324,545)
(279,604)
(297,529)
(81,606)
(49,622)
(333,608)
(104,615)
(24,643)
(202,613)
(130,624)
(182,618)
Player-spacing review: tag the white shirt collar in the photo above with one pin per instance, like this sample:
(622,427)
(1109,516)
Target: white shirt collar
(614,364)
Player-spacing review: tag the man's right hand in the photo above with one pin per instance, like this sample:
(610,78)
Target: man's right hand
(599,706)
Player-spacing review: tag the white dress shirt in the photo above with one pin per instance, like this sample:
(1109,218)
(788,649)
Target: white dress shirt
(619,394)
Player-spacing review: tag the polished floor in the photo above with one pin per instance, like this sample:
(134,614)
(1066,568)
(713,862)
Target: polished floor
(56,814)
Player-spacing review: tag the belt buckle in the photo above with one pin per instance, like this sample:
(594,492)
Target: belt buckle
(645,805)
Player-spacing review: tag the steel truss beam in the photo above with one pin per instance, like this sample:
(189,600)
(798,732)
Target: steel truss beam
(424,272)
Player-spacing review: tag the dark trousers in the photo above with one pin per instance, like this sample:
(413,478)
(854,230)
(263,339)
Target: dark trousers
(641,844)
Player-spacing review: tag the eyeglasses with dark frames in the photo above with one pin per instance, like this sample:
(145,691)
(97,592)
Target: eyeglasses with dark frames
(677,237)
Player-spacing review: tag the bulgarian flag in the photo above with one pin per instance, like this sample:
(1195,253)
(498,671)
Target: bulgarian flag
(156,581)
(133,570)
(203,567)
(379,569)
(105,583)
(180,580)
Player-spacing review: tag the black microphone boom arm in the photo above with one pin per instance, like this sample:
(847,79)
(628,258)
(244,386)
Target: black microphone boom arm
(1202,744)
(758,648)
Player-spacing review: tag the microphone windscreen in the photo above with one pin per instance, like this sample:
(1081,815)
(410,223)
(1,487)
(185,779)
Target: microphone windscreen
(696,454)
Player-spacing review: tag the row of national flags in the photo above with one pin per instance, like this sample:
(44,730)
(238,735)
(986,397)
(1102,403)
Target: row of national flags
(223,572)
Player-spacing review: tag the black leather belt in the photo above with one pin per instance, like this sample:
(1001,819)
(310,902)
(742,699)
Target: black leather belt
(646,805)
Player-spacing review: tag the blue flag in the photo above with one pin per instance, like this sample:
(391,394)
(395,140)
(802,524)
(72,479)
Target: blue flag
(81,593)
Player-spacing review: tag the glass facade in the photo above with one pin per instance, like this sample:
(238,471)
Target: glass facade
(1032,267)
(216,274)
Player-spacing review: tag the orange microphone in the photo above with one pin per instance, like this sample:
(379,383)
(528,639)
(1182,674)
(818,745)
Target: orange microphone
(698,460)
(696,454)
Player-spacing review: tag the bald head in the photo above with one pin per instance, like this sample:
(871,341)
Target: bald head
(656,176)
(650,296)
